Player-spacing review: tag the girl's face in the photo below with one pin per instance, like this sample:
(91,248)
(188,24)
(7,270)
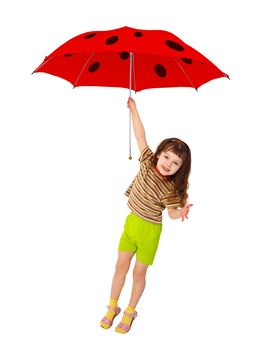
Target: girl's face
(168,163)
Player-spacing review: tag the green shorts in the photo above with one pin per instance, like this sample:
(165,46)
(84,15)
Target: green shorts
(140,236)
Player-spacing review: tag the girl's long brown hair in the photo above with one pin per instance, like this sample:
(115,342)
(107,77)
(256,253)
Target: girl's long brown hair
(181,177)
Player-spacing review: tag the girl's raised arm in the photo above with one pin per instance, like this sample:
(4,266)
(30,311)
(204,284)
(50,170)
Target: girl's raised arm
(138,127)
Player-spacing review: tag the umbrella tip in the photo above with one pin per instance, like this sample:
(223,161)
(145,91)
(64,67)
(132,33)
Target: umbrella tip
(130,157)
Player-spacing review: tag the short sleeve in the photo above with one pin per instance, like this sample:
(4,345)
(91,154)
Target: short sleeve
(146,160)
(146,155)
(171,200)
(145,163)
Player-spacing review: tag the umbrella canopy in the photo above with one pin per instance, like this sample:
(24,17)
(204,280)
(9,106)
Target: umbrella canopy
(130,58)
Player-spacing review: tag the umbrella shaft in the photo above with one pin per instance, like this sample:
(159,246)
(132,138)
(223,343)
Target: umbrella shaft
(130,117)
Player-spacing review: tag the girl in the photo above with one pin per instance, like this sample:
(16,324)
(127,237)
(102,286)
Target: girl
(161,183)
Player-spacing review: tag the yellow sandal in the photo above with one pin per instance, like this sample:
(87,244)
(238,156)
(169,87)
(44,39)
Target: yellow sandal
(107,323)
(125,327)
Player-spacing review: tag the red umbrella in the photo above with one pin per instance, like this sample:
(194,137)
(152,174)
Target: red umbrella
(130,58)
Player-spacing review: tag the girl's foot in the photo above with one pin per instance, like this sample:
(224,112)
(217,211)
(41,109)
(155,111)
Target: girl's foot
(128,317)
(107,321)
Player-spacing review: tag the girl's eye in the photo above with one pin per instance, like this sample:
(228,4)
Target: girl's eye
(166,157)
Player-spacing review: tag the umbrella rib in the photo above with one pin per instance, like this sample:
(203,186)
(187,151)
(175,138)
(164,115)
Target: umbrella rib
(185,73)
(42,64)
(89,58)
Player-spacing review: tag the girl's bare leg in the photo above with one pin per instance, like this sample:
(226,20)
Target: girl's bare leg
(139,274)
(122,267)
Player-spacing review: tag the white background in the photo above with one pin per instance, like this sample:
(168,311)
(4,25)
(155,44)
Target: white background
(64,169)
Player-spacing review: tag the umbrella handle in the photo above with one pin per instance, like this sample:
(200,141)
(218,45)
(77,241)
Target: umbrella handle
(130,114)
(130,133)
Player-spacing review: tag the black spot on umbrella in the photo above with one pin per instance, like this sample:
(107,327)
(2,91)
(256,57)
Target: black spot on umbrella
(186,60)
(94,67)
(174,45)
(112,40)
(138,34)
(160,70)
(68,54)
(124,55)
(89,36)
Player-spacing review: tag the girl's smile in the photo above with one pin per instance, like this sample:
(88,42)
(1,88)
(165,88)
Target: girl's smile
(168,163)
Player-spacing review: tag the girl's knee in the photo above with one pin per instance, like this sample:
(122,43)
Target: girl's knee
(139,275)
(121,269)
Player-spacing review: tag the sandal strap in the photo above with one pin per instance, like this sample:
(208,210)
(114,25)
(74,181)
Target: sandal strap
(107,321)
(132,315)
(124,326)
(116,309)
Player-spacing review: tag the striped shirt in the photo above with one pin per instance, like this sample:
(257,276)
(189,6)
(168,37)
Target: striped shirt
(150,192)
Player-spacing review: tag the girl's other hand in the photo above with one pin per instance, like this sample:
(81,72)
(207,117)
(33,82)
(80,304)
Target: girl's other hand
(185,211)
